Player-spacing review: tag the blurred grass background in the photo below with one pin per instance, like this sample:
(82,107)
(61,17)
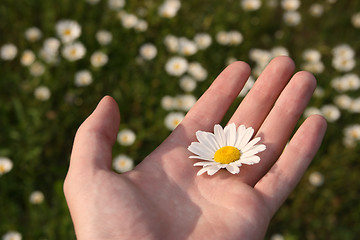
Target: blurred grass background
(37,135)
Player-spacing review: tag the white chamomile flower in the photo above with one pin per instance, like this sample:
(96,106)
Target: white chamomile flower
(36,197)
(126,137)
(148,51)
(122,163)
(5,165)
(68,30)
(12,235)
(226,148)
(99,59)
(83,78)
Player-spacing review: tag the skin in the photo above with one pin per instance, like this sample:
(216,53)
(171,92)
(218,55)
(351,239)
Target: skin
(162,198)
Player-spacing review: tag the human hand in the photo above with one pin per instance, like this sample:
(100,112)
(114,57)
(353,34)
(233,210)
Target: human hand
(162,198)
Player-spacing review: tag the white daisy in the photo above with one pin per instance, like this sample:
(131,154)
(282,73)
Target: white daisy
(316,179)
(83,78)
(176,66)
(12,235)
(5,165)
(33,34)
(104,37)
(36,197)
(42,93)
(173,119)
(27,58)
(68,30)
(148,51)
(8,52)
(99,59)
(122,163)
(74,51)
(226,148)
(250,5)
(126,137)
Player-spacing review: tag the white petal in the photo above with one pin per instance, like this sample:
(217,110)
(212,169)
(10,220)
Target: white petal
(233,169)
(204,164)
(200,149)
(240,134)
(202,158)
(201,171)
(254,150)
(219,135)
(213,169)
(208,139)
(250,144)
(230,134)
(249,160)
(247,136)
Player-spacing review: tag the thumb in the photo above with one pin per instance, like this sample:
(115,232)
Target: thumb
(92,149)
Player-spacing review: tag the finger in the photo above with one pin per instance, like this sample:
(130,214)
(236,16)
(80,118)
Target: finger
(258,102)
(280,123)
(212,106)
(95,137)
(282,178)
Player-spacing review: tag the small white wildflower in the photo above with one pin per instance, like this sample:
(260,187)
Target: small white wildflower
(290,5)
(316,179)
(27,58)
(74,51)
(279,51)
(33,34)
(148,51)
(128,20)
(292,18)
(176,66)
(187,47)
(187,83)
(277,236)
(126,137)
(42,93)
(355,20)
(316,10)
(343,101)
(5,165)
(83,78)
(330,112)
(312,111)
(36,197)
(250,5)
(197,71)
(123,163)
(37,69)
(103,37)
(169,8)
(12,235)
(202,40)
(172,43)
(311,55)
(173,119)
(167,103)
(116,4)
(141,25)
(185,102)
(68,30)
(98,59)
(8,52)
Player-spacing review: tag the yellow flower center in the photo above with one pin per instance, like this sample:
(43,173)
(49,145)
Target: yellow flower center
(226,155)
(2,169)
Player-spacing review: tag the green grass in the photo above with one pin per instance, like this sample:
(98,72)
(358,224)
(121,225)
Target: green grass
(37,136)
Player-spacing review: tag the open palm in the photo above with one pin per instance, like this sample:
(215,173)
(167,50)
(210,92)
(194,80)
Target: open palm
(162,198)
